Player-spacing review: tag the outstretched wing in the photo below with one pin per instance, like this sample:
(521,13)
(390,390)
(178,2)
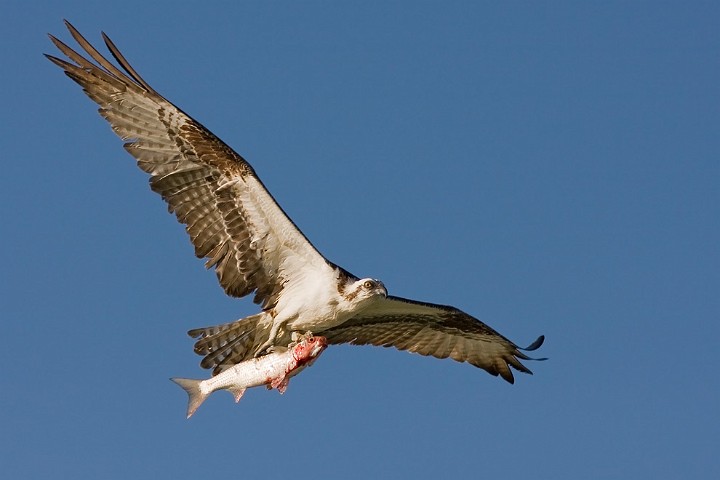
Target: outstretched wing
(436,330)
(231,218)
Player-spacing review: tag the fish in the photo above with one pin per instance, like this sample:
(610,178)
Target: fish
(273,370)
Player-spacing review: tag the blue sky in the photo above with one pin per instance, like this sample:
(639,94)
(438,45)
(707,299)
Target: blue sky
(551,169)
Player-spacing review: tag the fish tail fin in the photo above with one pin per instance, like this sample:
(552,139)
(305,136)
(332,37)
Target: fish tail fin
(195,394)
(237,393)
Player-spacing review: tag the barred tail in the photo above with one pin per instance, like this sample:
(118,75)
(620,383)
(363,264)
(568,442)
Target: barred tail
(195,395)
(225,345)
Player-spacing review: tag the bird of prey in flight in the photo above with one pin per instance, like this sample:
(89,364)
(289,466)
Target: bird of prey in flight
(255,248)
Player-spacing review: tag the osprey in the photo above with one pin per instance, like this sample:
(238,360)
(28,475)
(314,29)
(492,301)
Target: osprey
(254,247)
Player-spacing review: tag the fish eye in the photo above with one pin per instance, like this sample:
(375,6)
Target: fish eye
(369,284)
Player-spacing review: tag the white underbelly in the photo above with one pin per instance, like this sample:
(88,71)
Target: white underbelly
(311,304)
(314,319)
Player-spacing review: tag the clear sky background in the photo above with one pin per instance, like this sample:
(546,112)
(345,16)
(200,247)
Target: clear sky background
(549,168)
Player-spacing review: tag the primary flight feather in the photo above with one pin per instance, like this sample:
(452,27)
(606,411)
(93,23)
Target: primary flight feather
(255,248)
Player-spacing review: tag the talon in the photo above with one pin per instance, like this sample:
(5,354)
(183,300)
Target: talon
(265,348)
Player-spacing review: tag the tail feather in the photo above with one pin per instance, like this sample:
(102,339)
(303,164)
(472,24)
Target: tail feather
(196,397)
(225,345)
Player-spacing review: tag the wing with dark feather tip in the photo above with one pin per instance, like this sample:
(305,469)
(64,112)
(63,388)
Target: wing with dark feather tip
(231,218)
(436,330)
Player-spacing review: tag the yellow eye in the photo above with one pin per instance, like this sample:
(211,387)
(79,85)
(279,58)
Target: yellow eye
(369,284)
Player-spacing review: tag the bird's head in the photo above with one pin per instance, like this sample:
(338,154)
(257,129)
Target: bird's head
(364,291)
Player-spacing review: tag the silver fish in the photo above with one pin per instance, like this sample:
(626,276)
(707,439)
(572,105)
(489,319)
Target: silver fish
(273,370)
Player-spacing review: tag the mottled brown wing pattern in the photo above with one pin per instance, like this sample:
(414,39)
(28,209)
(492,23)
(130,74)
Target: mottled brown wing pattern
(228,213)
(434,330)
